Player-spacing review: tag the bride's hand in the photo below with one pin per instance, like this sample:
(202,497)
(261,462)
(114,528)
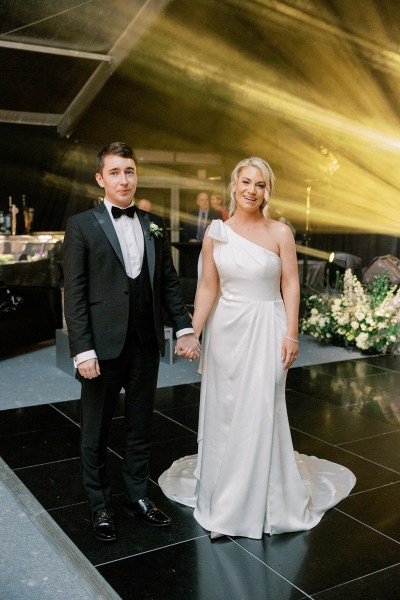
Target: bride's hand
(188,346)
(289,351)
(189,354)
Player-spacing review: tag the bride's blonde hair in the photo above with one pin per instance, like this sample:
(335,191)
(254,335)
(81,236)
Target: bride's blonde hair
(269,177)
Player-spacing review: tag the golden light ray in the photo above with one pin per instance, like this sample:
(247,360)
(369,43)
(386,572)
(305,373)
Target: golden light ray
(363,128)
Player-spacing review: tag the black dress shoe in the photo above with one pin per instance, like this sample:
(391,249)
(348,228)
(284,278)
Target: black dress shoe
(103,524)
(146,510)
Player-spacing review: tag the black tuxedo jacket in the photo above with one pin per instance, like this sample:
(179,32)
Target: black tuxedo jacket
(96,290)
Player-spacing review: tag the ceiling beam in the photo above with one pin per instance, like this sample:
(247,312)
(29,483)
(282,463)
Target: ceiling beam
(51,50)
(29,118)
(129,38)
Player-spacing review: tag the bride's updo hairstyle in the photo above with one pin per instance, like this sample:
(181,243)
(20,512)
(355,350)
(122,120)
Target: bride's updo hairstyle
(267,173)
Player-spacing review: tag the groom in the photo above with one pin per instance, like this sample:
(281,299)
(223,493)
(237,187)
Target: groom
(118,277)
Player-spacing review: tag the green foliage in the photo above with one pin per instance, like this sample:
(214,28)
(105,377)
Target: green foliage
(378,289)
(368,318)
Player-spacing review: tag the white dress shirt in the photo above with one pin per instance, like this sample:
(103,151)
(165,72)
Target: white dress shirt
(130,236)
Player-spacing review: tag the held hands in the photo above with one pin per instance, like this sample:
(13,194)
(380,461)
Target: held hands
(289,352)
(188,346)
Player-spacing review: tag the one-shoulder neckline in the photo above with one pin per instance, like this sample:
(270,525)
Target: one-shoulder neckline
(253,243)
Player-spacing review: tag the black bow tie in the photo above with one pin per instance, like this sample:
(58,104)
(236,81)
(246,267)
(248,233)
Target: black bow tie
(118,212)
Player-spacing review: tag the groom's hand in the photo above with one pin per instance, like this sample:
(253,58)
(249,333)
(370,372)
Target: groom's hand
(188,346)
(89,369)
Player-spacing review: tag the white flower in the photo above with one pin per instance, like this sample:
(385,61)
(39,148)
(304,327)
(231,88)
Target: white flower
(155,230)
(342,320)
(356,316)
(362,341)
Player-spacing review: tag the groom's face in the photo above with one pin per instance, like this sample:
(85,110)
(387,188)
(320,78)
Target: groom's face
(119,179)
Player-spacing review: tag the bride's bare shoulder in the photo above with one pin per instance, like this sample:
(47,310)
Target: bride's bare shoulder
(278,228)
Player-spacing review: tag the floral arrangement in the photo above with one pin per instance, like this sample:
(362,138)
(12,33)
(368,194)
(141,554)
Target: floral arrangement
(6,257)
(155,230)
(368,318)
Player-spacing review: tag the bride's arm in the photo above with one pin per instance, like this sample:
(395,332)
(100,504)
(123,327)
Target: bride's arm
(207,289)
(291,294)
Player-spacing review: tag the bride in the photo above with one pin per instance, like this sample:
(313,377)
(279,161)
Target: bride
(246,479)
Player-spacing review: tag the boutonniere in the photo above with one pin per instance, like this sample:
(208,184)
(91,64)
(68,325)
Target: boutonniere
(155,230)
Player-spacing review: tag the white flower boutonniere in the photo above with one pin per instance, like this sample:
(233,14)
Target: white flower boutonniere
(155,230)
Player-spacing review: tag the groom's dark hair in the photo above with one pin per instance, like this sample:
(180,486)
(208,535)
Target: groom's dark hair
(119,148)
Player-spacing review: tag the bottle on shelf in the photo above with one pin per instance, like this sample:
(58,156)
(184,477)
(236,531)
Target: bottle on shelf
(27,214)
(7,217)
(13,213)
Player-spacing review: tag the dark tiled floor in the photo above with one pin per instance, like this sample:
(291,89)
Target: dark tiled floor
(347,412)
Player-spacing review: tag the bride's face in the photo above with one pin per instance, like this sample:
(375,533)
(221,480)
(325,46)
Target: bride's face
(250,189)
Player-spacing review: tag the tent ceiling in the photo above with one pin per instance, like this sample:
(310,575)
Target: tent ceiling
(56,55)
(313,84)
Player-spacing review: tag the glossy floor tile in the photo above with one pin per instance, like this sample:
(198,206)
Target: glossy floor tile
(383,585)
(344,412)
(58,484)
(200,570)
(390,363)
(163,454)
(325,556)
(179,396)
(331,423)
(38,447)
(381,449)
(372,394)
(378,508)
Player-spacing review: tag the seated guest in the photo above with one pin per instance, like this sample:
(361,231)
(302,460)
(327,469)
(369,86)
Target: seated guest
(199,220)
(217,204)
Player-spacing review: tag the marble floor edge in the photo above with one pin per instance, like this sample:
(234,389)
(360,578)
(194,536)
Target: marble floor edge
(76,563)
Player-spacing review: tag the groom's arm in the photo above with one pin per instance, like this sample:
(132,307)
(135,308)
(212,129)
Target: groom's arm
(171,293)
(76,283)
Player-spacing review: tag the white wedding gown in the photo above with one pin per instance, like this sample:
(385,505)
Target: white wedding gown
(246,478)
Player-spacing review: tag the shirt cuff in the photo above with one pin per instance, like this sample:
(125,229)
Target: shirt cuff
(79,358)
(184,331)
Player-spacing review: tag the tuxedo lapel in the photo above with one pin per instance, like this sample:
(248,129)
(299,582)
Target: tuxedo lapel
(149,244)
(104,220)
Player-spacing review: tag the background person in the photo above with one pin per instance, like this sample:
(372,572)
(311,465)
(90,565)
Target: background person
(198,221)
(217,204)
(144,204)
